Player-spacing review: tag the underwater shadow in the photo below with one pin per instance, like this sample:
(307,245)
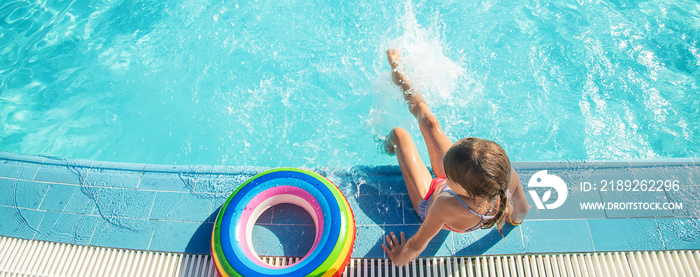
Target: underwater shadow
(200,242)
(386,219)
(291,225)
(485,243)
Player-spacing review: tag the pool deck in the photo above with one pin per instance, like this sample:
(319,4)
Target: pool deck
(172,208)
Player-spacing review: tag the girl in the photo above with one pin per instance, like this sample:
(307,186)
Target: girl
(473,183)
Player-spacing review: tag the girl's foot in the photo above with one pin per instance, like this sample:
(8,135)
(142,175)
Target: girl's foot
(385,145)
(394,57)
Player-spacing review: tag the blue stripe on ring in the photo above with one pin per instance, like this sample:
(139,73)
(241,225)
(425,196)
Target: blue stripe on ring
(279,182)
(331,214)
(297,269)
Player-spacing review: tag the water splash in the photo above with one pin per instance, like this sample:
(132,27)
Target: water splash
(425,63)
(216,185)
(434,74)
(687,230)
(351,181)
(112,213)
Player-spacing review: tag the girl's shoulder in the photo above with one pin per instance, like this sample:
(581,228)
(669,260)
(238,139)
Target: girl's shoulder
(464,206)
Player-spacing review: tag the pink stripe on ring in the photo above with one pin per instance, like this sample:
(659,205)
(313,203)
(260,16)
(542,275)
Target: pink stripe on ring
(269,198)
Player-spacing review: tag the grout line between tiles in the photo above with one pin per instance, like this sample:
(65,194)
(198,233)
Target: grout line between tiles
(93,233)
(121,188)
(38,168)
(661,235)
(590,233)
(155,226)
(44,197)
(280,224)
(38,225)
(153,203)
(100,216)
(143,171)
(522,236)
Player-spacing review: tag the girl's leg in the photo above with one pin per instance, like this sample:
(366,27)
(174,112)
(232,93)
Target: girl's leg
(435,139)
(415,174)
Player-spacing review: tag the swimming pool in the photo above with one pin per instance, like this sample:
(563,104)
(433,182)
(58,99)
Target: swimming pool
(306,83)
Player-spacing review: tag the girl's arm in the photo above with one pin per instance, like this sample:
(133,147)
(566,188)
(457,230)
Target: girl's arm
(401,251)
(518,201)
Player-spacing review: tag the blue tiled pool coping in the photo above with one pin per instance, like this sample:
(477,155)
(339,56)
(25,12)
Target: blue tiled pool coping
(172,208)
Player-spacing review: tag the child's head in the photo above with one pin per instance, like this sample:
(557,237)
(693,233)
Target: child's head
(482,168)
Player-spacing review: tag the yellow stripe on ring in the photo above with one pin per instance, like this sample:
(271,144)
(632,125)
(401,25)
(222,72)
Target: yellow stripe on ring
(346,249)
(218,267)
(217,263)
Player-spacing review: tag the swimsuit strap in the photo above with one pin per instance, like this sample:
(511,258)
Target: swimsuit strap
(491,209)
(483,217)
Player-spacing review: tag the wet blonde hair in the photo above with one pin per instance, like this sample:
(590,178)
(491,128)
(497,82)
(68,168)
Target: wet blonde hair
(482,168)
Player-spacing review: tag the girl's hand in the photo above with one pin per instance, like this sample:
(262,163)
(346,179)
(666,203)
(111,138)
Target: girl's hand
(516,211)
(395,248)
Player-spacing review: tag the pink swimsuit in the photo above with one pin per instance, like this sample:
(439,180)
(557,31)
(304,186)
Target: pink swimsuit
(423,207)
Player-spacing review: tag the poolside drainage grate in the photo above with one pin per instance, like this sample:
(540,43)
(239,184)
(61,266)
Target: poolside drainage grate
(20,257)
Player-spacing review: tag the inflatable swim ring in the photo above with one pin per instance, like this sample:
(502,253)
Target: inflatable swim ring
(231,244)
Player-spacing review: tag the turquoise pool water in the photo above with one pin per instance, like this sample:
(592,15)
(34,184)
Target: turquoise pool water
(306,83)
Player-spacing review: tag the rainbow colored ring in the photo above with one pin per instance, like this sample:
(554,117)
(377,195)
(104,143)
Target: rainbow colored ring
(231,245)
